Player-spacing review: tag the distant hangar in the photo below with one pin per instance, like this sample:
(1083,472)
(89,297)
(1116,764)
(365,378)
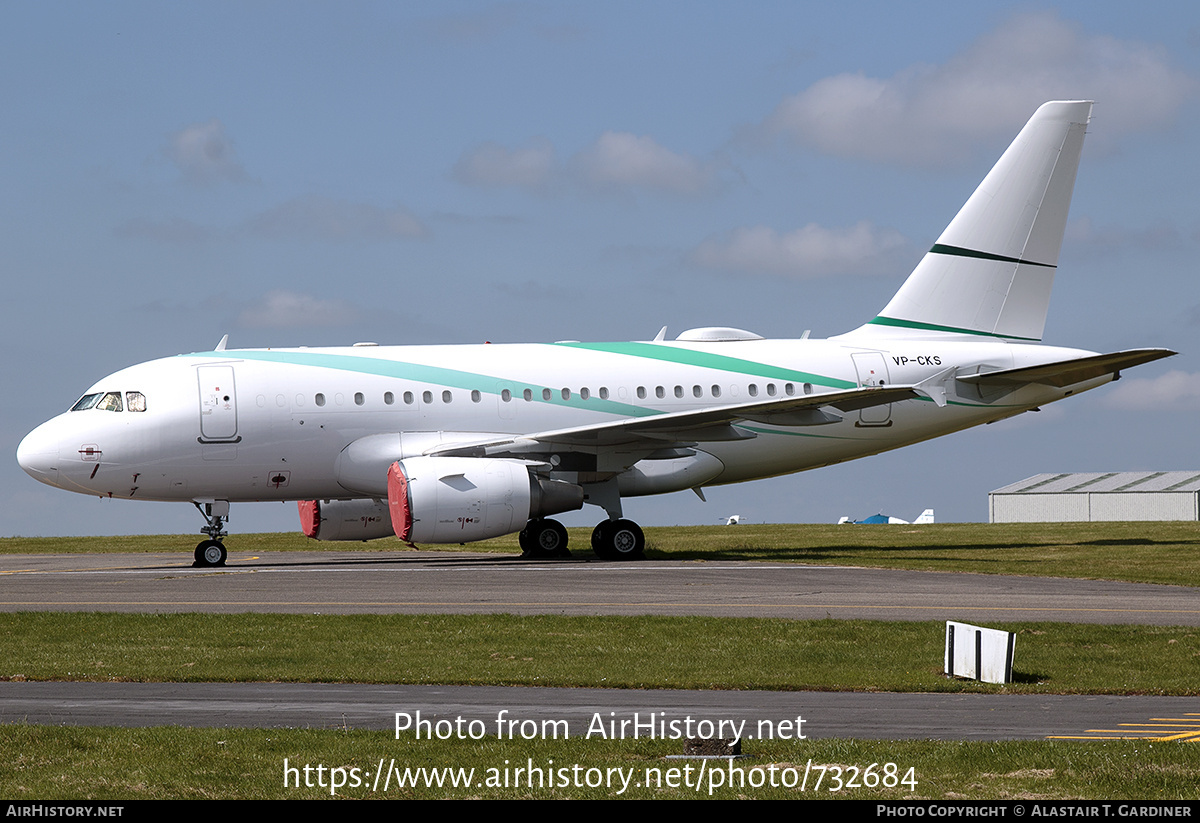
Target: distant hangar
(1076,496)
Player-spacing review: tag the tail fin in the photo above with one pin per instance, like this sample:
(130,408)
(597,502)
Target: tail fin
(991,271)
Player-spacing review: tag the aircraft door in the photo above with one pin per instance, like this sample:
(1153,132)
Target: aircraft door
(872,371)
(218,404)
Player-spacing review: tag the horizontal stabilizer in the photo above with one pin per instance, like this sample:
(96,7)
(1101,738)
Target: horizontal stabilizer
(1068,372)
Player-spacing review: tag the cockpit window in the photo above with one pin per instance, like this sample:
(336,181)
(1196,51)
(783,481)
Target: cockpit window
(135,401)
(86,402)
(110,402)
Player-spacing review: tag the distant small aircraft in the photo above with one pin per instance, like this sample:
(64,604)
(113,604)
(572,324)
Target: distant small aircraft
(733,520)
(925,517)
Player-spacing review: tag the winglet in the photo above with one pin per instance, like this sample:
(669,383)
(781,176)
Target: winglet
(221,345)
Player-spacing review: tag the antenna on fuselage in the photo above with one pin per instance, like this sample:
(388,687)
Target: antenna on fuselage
(221,345)
(661,336)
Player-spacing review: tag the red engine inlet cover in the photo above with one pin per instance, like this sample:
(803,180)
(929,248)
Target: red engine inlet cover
(397,492)
(310,517)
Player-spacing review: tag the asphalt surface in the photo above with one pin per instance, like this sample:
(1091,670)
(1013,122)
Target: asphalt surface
(814,715)
(465,583)
(429,582)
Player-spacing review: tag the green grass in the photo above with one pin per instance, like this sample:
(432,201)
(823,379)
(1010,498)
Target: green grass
(1136,552)
(613,652)
(172,763)
(645,652)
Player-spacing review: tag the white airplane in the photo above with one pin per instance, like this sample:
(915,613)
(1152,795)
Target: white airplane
(924,517)
(450,444)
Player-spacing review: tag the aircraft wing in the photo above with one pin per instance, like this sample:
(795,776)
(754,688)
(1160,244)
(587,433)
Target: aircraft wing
(692,426)
(1067,372)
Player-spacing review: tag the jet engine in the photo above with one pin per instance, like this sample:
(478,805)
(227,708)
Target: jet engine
(345,519)
(461,499)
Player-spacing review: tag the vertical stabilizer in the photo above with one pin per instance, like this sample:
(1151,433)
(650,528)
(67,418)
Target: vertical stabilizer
(991,271)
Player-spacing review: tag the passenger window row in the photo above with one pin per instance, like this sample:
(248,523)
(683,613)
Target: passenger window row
(408,398)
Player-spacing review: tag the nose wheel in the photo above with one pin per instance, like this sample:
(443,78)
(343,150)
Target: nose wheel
(210,553)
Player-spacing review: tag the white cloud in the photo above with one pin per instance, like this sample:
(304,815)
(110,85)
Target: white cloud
(624,159)
(1174,391)
(205,154)
(811,251)
(616,160)
(493,165)
(285,309)
(325,218)
(927,113)
(1102,240)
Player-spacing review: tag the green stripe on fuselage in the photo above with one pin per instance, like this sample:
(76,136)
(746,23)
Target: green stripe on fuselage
(707,360)
(435,375)
(913,324)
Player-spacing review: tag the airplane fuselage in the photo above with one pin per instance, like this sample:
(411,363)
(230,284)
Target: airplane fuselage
(269,424)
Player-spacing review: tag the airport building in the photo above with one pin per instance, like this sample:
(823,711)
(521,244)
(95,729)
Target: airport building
(1084,496)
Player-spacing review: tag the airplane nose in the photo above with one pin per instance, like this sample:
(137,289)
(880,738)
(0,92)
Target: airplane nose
(38,454)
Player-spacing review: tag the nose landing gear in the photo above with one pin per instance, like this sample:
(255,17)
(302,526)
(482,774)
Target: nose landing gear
(211,552)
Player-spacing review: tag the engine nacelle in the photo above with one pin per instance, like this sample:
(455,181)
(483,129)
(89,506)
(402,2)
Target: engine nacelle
(461,499)
(345,519)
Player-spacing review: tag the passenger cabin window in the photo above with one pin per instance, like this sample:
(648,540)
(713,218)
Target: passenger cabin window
(388,398)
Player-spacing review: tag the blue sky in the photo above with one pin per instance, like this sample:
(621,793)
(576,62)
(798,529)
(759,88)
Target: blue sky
(452,172)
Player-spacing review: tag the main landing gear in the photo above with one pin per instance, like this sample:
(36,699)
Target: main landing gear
(618,540)
(211,552)
(611,540)
(543,538)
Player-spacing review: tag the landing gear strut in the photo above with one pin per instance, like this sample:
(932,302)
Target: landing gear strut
(211,552)
(619,540)
(543,538)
